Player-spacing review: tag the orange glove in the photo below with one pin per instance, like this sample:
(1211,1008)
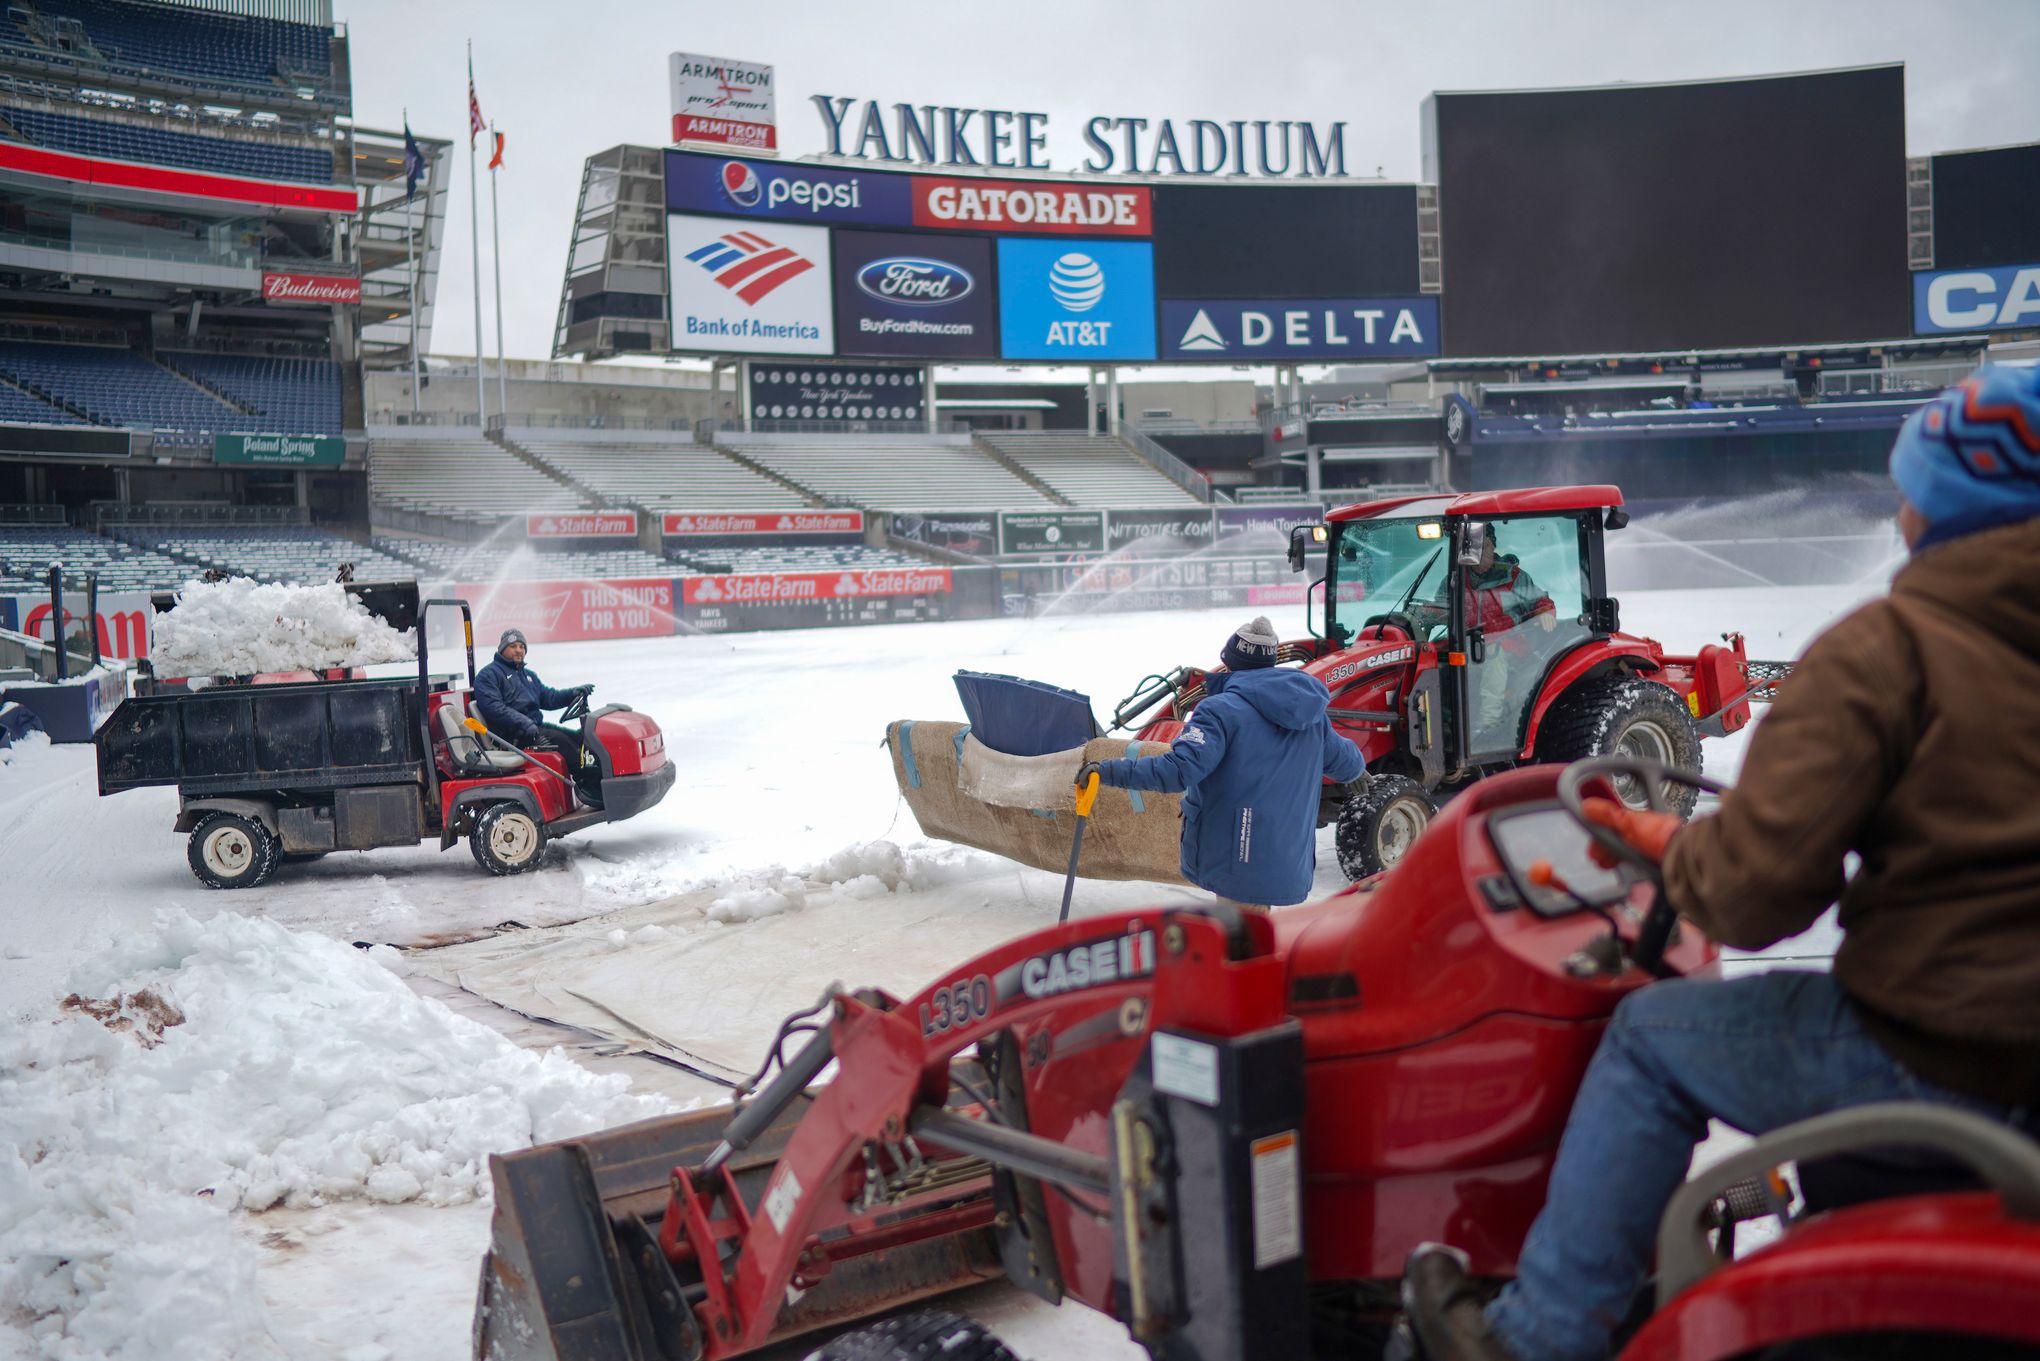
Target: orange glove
(1649,832)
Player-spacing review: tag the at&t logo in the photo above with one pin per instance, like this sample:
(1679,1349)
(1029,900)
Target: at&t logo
(1077,283)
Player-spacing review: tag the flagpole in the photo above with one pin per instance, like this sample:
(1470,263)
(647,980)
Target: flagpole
(496,250)
(475,248)
(411,265)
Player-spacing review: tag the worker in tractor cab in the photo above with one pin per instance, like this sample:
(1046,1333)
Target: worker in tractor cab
(1501,600)
(1904,738)
(513,700)
(1249,764)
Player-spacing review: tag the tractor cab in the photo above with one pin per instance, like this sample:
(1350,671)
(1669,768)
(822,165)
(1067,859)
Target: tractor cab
(1496,588)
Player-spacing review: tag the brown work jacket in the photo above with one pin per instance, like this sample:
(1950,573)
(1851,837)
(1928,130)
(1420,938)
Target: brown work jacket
(1910,735)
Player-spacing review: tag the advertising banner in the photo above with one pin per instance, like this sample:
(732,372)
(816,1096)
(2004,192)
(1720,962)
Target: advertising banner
(573,611)
(1021,206)
(123,622)
(898,293)
(593,524)
(316,289)
(1299,328)
(1051,531)
(1266,519)
(1076,300)
(796,588)
(326,451)
(722,101)
(754,292)
(975,532)
(1976,299)
(788,191)
(833,392)
(724,523)
(1161,530)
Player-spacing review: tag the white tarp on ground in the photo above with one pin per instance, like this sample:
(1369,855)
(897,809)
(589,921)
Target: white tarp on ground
(241,626)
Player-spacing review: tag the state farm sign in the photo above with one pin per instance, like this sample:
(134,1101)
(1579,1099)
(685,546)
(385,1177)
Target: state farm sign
(573,611)
(606,524)
(311,288)
(765,522)
(790,588)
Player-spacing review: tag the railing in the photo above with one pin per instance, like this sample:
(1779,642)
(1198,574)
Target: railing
(1168,465)
(23,514)
(1184,425)
(105,515)
(218,259)
(732,425)
(1871,382)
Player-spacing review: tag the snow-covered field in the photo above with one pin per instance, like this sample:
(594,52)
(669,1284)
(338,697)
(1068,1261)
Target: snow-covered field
(241,1137)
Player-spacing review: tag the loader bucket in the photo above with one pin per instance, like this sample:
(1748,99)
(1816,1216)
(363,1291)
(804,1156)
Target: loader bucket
(574,1270)
(1024,807)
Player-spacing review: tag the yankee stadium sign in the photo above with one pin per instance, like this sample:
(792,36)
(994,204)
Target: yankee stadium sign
(930,134)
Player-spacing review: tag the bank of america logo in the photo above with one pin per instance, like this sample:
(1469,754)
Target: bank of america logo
(749,265)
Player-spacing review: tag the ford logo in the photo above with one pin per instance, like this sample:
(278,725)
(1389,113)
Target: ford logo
(913,281)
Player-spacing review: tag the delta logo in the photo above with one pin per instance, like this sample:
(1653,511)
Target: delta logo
(749,265)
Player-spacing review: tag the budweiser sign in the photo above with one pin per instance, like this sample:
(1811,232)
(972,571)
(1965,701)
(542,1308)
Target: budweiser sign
(573,611)
(603,524)
(311,288)
(766,522)
(793,588)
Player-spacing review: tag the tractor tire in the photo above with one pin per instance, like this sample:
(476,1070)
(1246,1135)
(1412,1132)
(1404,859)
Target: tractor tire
(1378,828)
(230,851)
(506,839)
(1625,716)
(925,1335)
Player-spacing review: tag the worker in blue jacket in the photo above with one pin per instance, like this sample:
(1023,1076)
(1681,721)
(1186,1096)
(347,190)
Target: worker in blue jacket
(513,700)
(1249,765)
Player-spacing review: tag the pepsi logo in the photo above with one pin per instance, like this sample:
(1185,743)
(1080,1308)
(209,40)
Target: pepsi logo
(1077,282)
(914,281)
(741,183)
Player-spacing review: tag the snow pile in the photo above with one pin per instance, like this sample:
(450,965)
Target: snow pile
(27,746)
(208,1066)
(240,626)
(866,870)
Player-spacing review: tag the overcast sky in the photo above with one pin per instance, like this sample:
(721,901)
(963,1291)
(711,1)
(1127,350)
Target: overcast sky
(564,81)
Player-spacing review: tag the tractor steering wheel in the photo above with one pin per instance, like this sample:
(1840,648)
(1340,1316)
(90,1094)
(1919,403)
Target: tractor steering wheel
(1655,934)
(576,707)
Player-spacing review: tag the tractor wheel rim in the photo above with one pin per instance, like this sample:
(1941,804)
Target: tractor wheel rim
(1402,822)
(228,852)
(513,839)
(1645,741)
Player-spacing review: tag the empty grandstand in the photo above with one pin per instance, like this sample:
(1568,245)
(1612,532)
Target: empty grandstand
(28,552)
(116,387)
(438,560)
(921,472)
(466,479)
(1088,470)
(797,558)
(298,395)
(283,553)
(660,474)
(144,40)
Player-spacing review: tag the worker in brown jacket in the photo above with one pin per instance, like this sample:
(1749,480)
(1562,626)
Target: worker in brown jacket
(1908,736)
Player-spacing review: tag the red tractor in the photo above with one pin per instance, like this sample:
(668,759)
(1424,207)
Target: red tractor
(1469,634)
(1229,1130)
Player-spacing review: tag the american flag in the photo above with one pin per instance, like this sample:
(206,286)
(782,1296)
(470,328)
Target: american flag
(476,123)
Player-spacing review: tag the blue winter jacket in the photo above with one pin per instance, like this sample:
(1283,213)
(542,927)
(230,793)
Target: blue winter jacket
(513,699)
(1248,765)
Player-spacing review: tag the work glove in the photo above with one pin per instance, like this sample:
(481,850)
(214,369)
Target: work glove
(1648,831)
(1356,788)
(536,738)
(1086,771)
(584,689)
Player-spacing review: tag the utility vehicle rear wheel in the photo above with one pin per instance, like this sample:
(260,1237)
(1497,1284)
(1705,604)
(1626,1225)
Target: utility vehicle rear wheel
(1377,829)
(925,1335)
(506,839)
(1625,716)
(231,851)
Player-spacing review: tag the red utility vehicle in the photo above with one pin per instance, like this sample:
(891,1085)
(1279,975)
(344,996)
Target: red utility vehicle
(1229,1131)
(1443,673)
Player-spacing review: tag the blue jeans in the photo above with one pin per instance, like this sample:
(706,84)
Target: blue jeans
(1756,1053)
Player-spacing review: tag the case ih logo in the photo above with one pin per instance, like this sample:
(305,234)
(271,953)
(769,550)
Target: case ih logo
(749,265)
(610,525)
(801,587)
(793,522)
(311,288)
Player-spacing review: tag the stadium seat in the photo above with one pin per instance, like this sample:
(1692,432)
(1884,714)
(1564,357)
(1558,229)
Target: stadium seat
(191,41)
(462,478)
(155,146)
(659,474)
(1089,470)
(293,396)
(907,472)
(117,387)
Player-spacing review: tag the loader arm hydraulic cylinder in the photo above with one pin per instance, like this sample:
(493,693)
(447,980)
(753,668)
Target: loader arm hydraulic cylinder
(794,1078)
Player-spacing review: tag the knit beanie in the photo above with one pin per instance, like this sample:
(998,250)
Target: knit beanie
(510,636)
(1252,645)
(1970,459)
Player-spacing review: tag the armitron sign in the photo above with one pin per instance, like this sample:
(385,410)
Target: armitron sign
(704,523)
(728,103)
(606,524)
(316,289)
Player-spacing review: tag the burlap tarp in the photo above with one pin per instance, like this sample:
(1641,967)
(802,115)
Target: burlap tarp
(1024,807)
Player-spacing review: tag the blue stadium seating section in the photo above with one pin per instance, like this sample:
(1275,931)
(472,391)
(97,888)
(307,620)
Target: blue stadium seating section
(96,137)
(16,405)
(117,387)
(295,396)
(181,41)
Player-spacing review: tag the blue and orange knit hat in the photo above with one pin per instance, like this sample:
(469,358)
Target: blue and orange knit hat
(1970,459)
